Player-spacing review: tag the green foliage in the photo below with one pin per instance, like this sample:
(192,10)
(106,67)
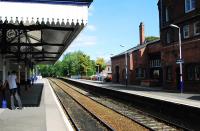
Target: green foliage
(76,63)
(151,38)
(100,62)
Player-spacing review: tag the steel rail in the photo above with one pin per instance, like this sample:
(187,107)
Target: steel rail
(169,123)
(93,115)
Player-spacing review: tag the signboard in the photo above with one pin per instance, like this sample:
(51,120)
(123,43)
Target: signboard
(179,61)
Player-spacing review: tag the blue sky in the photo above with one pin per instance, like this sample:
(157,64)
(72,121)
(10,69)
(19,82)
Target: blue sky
(113,23)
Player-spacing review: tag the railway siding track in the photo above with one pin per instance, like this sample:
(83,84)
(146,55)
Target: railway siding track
(183,117)
(136,115)
(115,120)
(80,119)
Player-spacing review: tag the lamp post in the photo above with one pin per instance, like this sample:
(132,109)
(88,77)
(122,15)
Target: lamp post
(98,69)
(180,57)
(126,68)
(97,72)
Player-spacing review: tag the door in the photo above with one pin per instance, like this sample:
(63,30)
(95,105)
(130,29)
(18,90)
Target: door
(117,73)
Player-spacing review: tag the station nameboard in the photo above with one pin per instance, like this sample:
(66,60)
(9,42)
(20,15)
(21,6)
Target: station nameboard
(52,1)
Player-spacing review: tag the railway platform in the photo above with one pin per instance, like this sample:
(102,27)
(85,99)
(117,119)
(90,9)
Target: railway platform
(181,109)
(41,111)
(189,99)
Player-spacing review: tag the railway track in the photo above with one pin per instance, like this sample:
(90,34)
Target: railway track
(87,114)
(145,119)
(78,116)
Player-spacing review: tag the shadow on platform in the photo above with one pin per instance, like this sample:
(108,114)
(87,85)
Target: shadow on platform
(195,98)
(30,97)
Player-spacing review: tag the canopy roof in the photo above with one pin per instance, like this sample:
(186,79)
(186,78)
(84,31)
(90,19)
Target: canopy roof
(54,1)
(42,35)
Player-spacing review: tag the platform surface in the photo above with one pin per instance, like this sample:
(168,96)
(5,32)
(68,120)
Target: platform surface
(189,99)
(48,116)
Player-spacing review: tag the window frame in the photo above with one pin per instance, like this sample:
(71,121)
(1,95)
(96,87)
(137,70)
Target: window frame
(190,6)
(140,73)
(167,14)
(184,27)
(195,28)
(168,39)
(193,72)
(169,72)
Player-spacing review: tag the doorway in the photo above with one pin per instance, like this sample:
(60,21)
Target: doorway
(117,73)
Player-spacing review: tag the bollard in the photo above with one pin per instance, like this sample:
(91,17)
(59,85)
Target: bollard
(4,104)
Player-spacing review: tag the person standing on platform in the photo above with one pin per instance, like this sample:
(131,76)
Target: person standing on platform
(18,86)
(11,81)
(2,91)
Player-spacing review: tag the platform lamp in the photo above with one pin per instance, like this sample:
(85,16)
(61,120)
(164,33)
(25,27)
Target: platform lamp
(126,76)
(180,61)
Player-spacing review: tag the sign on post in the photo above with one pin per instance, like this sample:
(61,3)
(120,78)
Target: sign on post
(178,61)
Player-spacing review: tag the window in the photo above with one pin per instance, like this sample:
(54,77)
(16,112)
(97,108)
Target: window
(197,28)
(193,72)
(186,31)
(169,73)
(156,74)
(166,14)
(168,38)
(189,5)
(140,73)
(155,63)
(197,72)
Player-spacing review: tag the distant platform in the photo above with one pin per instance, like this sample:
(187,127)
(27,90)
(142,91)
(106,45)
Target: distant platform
(189,99)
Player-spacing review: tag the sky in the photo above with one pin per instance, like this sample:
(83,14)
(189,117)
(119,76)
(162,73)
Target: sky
(112,23)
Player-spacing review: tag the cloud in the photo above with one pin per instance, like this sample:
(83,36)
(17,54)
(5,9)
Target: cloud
(82,41)
(91,28)
(90,11)
(101,54)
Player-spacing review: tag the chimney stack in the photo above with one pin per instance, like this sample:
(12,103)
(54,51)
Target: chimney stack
(142,37)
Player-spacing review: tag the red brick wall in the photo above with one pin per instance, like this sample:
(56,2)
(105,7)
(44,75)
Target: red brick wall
(190,46)
(118,61)
(190,54)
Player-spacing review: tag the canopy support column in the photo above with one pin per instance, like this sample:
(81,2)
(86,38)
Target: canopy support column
(4,69)
(26,78)
(19,67)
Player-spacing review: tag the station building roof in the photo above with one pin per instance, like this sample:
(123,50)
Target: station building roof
(39,31)
(138,47)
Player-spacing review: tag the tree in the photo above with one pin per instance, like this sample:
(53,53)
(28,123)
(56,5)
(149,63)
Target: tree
(76,63)
(151,38)
(100,63)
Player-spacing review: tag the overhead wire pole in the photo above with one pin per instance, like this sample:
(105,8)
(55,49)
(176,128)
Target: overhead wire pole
(126,67)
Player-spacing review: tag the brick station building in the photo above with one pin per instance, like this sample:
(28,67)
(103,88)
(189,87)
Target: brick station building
(154,63)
